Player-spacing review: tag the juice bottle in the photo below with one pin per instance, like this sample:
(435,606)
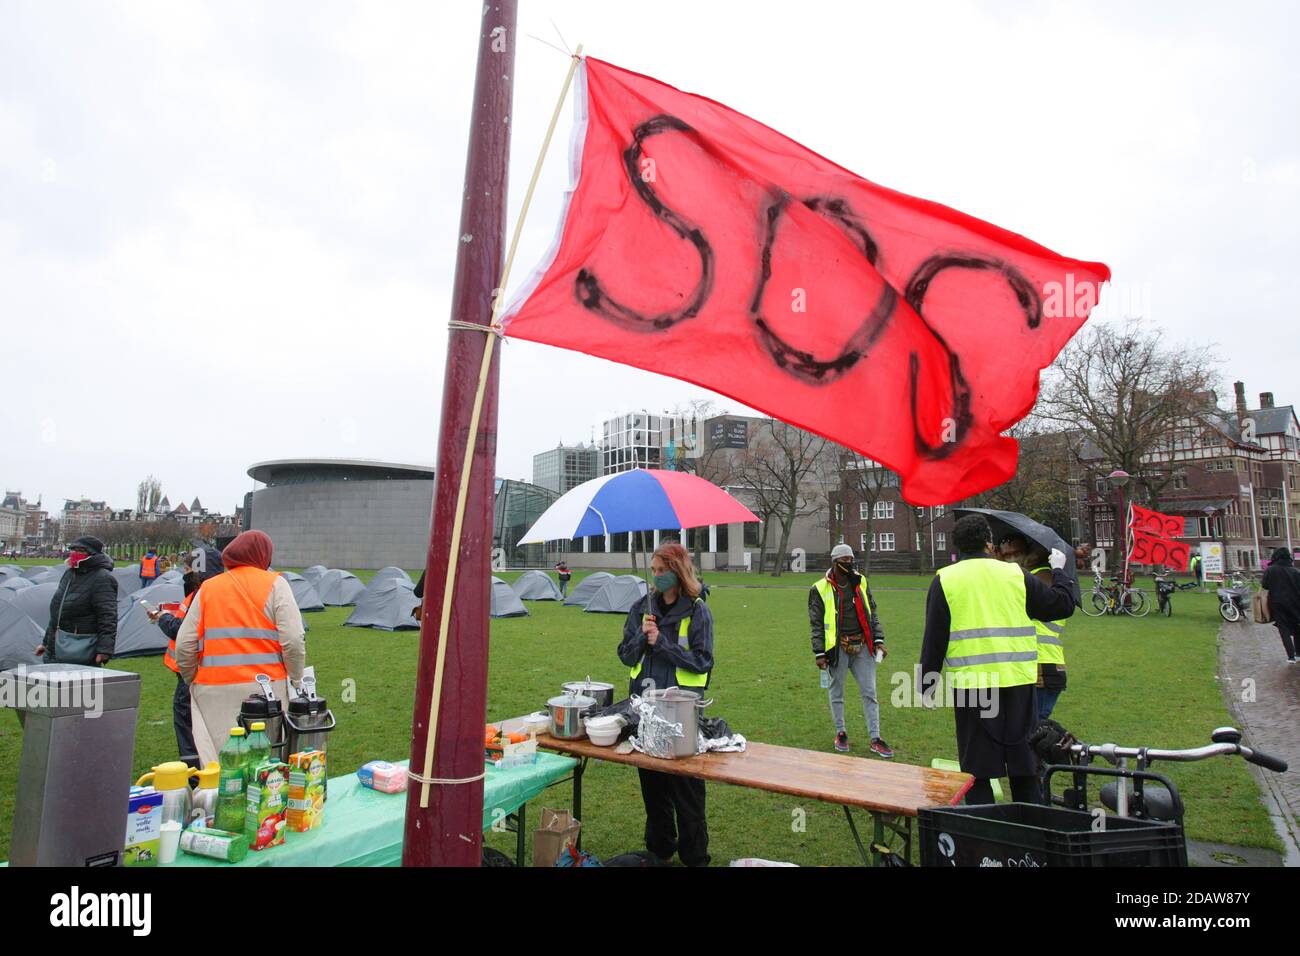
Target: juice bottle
(232,788)
(259,749)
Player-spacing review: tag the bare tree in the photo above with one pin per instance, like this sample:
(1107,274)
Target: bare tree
(1127,390)
(790,472)
(863,481)
(1040,487)
(147,495)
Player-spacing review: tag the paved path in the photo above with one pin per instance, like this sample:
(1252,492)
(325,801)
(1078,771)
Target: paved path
(1263,693)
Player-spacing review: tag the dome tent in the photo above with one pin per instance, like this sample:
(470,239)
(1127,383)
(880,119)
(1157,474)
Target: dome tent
(391,572)
(618,596)
(12,585)
(338,588)
(505,603)
(35,602)
(19,635)
(7,569)
(313,574)
(37,570)
(386,604)
(304,592)
(536,586)
(136,634)
(128,578)
(587,588)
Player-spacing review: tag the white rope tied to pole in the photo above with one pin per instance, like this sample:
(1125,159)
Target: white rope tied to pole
(471,440)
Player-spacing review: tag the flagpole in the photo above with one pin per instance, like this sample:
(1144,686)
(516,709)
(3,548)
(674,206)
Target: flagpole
(456,839)
(444,820)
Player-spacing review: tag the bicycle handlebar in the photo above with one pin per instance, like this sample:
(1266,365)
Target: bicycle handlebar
(1113,753)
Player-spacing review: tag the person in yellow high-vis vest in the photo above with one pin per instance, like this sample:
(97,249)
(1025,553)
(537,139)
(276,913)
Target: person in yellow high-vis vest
(981,646)
(1031,555)
(668,642)
(847,638)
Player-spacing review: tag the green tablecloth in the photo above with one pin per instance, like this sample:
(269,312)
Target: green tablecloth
(364,827)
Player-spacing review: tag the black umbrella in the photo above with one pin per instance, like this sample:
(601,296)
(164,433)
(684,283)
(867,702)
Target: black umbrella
(1007,522)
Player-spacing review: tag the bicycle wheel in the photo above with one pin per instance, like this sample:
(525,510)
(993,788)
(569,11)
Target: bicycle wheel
(1135,603)
(1095,607)
(1229,612)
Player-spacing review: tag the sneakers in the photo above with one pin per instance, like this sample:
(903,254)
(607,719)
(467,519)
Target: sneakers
(881,749)
(842,742)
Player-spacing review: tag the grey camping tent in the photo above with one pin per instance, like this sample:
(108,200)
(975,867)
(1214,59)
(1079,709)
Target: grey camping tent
(386,604)
(36,570)
(313,574)
(618,596)
(19,635)
(35,602)
(7,570)
(12,585)
(304,592)
(587,588)
(128,578)
(136,634)
(339,588)
(536,586)
(505,602)
(391,572)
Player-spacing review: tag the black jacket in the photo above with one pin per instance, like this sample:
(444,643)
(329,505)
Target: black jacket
(85,602)
(817,619)
(662,660)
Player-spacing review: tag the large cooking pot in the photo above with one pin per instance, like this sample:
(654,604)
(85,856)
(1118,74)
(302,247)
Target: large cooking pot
(567,713)
(599,691)
(678,706)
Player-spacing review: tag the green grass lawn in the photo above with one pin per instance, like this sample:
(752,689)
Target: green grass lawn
(1134,682)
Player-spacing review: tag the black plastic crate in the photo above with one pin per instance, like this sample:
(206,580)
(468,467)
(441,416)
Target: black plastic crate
(1028,834)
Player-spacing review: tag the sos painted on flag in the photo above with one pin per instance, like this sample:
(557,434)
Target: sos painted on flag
(1149,549)
(700,244)
(1155,523)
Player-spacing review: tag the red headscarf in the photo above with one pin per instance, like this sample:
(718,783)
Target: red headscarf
(252,548)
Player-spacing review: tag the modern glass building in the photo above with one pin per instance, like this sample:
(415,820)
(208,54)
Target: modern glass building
(564,467)
(518,506)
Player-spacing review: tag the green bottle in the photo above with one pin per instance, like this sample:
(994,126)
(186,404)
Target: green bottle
(232,788)
(259,751)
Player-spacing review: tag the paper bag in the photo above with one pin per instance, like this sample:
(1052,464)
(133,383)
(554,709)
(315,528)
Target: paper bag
(1260,610)
(558,828)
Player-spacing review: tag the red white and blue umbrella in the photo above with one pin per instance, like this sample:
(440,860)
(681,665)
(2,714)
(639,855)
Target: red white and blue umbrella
(639,500)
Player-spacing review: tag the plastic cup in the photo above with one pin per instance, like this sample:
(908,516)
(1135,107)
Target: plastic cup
(171,841)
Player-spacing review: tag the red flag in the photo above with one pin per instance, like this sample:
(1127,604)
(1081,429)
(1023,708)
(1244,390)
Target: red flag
(1148,549)
(1155,523)
(703,245)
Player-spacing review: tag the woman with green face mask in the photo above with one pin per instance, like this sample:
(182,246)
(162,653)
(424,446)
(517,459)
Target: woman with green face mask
(668,642)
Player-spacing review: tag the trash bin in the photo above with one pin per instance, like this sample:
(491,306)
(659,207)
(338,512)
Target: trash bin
(74,778)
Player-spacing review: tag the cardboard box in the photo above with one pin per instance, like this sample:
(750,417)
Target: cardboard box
(558,828)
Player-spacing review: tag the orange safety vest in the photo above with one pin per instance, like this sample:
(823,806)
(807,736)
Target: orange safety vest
(237,641)
(148,567)
(169,655)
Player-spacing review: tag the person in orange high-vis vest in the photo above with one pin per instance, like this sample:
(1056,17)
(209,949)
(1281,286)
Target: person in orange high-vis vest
(169,623)
(239,624)
(148,568)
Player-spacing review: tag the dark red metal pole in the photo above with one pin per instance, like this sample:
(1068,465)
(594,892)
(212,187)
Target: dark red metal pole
(449,831)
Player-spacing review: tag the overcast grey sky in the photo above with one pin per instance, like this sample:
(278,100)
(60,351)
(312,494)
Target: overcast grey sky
(227,230)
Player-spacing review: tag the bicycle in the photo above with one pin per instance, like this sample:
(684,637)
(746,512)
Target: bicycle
(1165,588)
(1161,802)
(1117,598)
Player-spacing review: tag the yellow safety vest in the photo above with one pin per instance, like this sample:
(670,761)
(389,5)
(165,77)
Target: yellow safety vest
(826,591)
(992,641)
(1050,648)
(685,678)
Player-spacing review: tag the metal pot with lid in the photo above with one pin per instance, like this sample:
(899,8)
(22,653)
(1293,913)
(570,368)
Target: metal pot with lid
(676,706)
(599,691)
(567,713)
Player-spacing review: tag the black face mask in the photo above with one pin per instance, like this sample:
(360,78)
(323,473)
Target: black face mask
(844,567)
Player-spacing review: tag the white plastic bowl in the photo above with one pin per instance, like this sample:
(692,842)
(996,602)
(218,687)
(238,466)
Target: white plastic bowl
(603,731)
